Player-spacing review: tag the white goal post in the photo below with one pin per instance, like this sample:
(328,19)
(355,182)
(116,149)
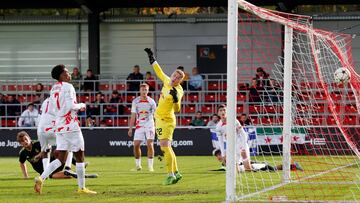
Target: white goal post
(307,126)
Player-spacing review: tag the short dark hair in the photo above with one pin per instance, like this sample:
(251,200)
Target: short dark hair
(217,152)
(136,66)
(221,106)
(198,112)
(30,104)
(148,72)
(244,114)
(89,70)
(57,71)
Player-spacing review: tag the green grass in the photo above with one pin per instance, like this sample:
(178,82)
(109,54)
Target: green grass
(116,183)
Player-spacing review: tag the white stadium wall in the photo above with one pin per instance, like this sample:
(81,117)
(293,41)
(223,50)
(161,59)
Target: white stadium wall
(34,48)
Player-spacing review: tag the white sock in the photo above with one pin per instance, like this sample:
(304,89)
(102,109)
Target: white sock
(46,162)
(51,168)
(150,162)
(69,159)
(138,162)
(80,171)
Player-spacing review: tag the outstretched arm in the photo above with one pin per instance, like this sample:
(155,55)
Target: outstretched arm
(158,71)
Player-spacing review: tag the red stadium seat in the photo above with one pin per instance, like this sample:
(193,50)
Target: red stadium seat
(337,108)
(210,98)
(330,120)
(350,96)
(109,122)
(267,121)
(317,120)
(255,109)
(122,122)
(193,97)
(206,120)
(239,109)
(320,108)
(336,96)
(104,87)
(127,110)
(207,109)
(190,109)
(320,96)
(130,98)
(10,123)
(254,120)
(22,98)
(214,85)
(222,97)
(350,120)
(185,121)
(241,97)
(351,108)
(270,109)
(28,88)
(120,87)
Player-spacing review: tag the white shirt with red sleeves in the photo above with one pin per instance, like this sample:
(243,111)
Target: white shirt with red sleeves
(47,117)
(63,99)
(144,110)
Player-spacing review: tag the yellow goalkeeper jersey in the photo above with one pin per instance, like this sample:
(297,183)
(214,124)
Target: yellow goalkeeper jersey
(166,108)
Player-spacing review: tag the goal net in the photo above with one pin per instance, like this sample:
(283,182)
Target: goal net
(324,116)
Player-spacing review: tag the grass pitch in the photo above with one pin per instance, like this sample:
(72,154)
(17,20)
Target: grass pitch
(116,183)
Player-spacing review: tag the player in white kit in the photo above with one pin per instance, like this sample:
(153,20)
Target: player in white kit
(142,111)
(46,134)
(67,128)
(242,148)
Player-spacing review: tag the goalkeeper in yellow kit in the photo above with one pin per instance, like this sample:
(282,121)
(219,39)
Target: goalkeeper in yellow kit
(165,120)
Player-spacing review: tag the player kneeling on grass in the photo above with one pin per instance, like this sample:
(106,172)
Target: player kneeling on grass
(242,147)
(31,152)
(165,120)
(142,110)
(68,133)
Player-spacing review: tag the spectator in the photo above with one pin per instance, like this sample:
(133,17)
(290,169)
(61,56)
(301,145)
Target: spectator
(244,120)
(2,103)
(273,91)
(254,95)
(96,106)
(13,106)
(137,76)
(90,85)
(262,78)
(90,122)
(212,125)
(115,109)
(149,79)
(75,78)
(29,117)
(40,94)
(198,120)
(186,78)
(196,80)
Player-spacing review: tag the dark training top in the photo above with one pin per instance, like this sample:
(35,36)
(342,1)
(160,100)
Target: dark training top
(25,154)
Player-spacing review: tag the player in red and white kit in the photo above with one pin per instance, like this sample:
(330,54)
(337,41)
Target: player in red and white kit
(67,128)
(242,148)
(142,110)
(46,134)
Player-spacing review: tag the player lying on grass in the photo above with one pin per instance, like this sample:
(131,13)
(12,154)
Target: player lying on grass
(142,111)
(165,120)
(46,134)
(242,148)
(257,166)
(31,153)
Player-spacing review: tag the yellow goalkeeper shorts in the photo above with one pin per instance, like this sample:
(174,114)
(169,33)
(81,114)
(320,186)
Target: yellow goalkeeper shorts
(165,128)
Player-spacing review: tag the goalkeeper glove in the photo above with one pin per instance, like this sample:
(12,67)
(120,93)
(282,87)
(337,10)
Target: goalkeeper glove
(150,55)
(173,93)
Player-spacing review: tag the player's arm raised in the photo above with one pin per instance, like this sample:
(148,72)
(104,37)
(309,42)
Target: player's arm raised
(158,71)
